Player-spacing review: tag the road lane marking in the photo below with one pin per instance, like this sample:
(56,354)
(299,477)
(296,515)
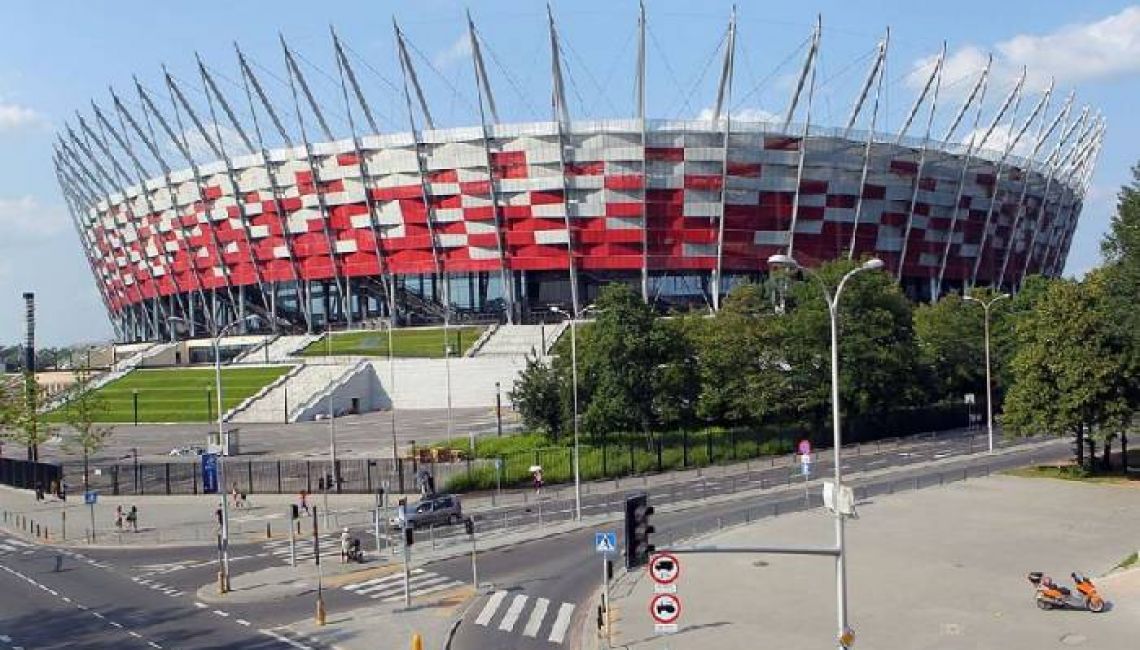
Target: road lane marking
(201,605)
(134,634)
(536,617)
(488,612)
(513,612)
(221,613)
(561,623)
(242,621)
(116,624)
(286,640)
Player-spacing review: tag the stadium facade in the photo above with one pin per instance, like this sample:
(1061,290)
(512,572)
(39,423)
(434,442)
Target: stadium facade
(505,219)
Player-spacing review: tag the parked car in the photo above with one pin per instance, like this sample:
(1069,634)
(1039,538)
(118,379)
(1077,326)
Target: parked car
(435,510)
(187,451)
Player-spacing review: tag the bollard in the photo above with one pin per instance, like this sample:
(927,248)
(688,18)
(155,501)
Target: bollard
(417,641)
(268,532)
(320,611)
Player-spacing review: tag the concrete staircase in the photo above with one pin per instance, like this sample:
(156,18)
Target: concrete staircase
(256,354)
(290,393)
(118,369)
(520,340)
(281,348)
(422,383)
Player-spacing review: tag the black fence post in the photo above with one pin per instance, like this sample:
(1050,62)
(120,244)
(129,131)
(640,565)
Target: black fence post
(685,448)
(279,490)
(115,480)
(167,478)
(309,476)
(660,466)
(632,460)
(732,438)
(709,445)
(605,453)
(400,472)
(194,478)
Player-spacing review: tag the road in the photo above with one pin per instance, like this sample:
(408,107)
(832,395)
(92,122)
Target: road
(539,591)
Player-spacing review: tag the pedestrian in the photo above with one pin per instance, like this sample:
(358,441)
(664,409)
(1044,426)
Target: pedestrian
(133,518)
(305,501)
(431,483)
(39,491)
(422,482)
(538,481)
(218,516)
(244,500)
(119,517)
(344,545)
(235,494)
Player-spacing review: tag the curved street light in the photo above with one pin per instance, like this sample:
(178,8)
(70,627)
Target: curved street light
(574,381)
(986,304)
(873,264)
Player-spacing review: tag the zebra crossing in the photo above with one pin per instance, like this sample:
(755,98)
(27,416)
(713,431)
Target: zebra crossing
(330,548)
(390,588)
(536,620)
(12,545)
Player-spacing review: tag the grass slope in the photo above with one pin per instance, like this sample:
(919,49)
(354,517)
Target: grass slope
(419,342)
(178,394)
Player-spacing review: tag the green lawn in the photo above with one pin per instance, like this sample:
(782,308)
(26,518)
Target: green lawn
(178,394)
(418,342)
(1070,472)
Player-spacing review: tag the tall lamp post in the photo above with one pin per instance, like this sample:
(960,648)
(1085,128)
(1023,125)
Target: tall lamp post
(787,261)
(217,335)
(986,304)
(574,381)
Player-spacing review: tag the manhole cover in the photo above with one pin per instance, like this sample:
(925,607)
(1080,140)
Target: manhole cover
(1073,639)
(759,564)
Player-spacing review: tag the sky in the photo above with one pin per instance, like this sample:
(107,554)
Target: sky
(58,57)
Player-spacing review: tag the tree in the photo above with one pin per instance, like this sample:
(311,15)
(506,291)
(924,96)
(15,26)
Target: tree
(537,396)
(22,422)
(1070,377)
(81,413)
(951,344)
(619,364)
(676,378)
(878,359)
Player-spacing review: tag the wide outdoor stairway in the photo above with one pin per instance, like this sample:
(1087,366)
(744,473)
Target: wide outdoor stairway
(521,340)
(281,348)
(292,390)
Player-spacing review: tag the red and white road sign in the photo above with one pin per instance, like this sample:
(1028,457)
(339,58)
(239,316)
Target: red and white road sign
(664,568)
(665,608)
(804,447)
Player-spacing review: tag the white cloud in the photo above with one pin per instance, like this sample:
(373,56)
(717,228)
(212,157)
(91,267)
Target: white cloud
(458,50)
(1109,47)
(25,218)
(15,116)
(743,115)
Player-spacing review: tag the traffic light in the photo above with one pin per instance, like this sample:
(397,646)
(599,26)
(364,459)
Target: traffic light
(295,511)
(637,531)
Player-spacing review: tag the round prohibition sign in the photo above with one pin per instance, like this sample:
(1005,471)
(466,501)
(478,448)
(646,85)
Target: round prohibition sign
(665,608)
(664,568)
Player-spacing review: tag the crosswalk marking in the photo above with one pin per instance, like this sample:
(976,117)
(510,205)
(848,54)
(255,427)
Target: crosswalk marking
(377,583)
(512,615)
(536,616)
(390,588)
(561,623)
(424,592)
(488,612)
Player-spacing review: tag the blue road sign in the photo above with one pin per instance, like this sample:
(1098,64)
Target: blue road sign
(90,497)
(605,542)
(209,473)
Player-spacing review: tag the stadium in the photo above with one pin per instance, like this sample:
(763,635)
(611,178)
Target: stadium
(502,220)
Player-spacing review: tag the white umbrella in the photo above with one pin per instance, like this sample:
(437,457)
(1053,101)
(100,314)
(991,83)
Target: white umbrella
(535,468)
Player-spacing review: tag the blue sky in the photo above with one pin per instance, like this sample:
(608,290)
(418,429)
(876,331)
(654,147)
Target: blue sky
(56,57)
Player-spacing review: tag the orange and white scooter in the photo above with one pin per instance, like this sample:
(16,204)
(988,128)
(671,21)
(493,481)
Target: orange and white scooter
(1052,595)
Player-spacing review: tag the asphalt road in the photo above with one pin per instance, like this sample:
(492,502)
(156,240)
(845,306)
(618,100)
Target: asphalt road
(539,592)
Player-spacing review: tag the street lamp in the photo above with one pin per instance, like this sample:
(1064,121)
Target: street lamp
(787,261)
(574,382)
(989,387)
(217,335)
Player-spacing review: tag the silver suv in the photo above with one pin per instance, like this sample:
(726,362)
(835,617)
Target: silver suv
(435,510)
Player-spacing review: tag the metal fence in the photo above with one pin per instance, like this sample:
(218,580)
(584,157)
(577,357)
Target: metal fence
(354,476)
(25,474)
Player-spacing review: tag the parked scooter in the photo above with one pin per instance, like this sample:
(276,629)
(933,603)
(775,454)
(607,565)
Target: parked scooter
(1052,595)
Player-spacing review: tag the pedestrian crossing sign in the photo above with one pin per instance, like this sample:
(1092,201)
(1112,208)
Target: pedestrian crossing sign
(605,542)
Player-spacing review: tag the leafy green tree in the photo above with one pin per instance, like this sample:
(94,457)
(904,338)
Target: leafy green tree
(537,396)
(951,344)
(22,423)
(1070,377)
(82,413)
(619,363)
(878,357)
(676,378)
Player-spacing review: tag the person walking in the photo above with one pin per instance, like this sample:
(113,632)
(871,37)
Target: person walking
(236,496)
(344,545)
(218,517)
(305,501)
(119,517)
(133,518)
